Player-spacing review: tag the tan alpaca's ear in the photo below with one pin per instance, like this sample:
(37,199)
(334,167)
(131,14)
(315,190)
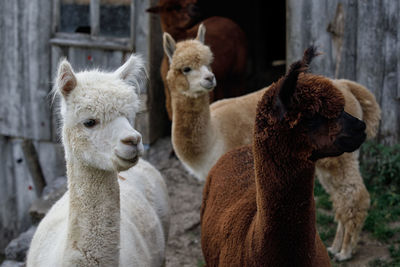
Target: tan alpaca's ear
(66,80)
(201,33)
(133,72)
(169,45)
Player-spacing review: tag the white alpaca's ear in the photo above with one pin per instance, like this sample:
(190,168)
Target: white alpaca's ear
(201,33)
(66,80)
(133,72)
(169,45)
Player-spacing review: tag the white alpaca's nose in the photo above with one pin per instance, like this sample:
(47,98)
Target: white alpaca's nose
(132,140)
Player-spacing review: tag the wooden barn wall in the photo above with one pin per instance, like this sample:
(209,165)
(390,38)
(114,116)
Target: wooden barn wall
(25,82)
(360,40)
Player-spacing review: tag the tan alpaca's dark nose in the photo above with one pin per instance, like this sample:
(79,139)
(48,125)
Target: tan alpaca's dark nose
(209,78)
(131,140)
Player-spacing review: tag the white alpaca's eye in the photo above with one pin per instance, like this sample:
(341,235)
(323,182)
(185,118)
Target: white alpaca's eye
(90,123)
(186,70)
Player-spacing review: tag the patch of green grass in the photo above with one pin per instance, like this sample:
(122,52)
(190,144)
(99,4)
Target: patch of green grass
(380,168)
(326,226)
(201,263)
(322,197)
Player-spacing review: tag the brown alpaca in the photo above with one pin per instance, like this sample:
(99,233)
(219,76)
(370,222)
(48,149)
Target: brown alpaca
(258,203)
(225,38)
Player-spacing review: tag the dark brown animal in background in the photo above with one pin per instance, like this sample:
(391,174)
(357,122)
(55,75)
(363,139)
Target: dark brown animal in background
(258,203)
(225,38)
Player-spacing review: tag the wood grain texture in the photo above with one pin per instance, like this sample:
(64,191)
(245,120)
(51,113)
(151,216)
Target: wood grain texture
(17,190)
(24,82)
(366,51)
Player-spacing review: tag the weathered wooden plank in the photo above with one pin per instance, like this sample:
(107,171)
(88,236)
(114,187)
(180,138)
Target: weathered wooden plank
(398,55)
(158,120)
(82,58)
(390,124)
(84,40)
(294,30)
(141,28)
(10,95)
(370,53)
(39,83)
(8,202)
(51,158)
(17,191)
(133,24)
(94,17)
(32,161)
(56,16)
(330,26)
(370,49)
(25,69)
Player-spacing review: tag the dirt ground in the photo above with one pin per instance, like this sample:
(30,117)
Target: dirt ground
(184,248)
(185,194)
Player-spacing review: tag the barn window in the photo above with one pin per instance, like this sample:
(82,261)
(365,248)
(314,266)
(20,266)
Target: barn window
(94,23)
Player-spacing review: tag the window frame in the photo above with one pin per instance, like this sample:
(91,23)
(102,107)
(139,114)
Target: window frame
(92,40)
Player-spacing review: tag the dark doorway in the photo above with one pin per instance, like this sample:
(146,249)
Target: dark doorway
(264,23)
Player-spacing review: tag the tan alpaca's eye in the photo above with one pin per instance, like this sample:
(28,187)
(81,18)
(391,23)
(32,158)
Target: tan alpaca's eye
(186,70)
(90,123)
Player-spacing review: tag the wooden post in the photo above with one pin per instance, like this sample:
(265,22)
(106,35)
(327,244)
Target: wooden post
(94,17)
(133,26)
(32,160)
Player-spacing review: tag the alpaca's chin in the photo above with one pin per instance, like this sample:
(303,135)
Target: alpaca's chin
(123,164)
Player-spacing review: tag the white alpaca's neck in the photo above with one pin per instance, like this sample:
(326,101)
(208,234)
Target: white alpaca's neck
(94,217)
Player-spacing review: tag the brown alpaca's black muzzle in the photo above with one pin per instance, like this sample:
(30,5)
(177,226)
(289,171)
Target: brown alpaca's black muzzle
(352,134)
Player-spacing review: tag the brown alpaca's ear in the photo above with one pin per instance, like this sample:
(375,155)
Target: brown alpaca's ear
(66,80)
(169,45)
(154,9)
(309,55)
(201,33)
(288,86)
(288,83)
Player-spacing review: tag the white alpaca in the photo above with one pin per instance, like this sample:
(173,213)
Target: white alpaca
(202,133)
(102,220)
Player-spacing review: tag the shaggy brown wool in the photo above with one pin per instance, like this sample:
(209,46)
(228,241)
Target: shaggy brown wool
(229,220)
(258,204)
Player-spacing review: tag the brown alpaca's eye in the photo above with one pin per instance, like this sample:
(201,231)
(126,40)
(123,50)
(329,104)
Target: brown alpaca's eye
(90,123)
(186,70)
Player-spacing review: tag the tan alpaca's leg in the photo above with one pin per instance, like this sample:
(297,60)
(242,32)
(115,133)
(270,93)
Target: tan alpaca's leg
(351,205)
(345,252)
(342,180)
(337,242)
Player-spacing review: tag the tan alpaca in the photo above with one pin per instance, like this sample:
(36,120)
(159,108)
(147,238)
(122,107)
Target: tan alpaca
(341,176)
(201,132)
